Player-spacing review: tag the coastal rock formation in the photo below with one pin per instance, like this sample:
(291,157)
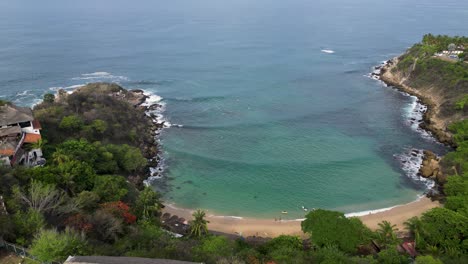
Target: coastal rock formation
(441,88)
(439,99)
(430,166)
(122,114)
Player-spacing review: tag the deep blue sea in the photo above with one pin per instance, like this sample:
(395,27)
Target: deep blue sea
(274,106)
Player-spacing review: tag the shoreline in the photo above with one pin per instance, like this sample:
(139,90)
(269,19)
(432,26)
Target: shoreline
(430,123)
(397,214)
(248,226)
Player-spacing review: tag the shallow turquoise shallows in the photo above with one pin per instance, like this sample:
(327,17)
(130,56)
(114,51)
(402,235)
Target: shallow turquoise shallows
(275,108)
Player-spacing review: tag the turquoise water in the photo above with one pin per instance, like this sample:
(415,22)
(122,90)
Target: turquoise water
(270,121)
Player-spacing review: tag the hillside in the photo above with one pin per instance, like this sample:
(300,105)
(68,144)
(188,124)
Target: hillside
(440,81)
(104,113)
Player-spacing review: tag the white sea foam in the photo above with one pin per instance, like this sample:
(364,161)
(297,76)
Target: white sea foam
(375,211)
(153,99)
(97,74)
(227,217)
(411,161)
(158,118)
(71,87)
(23,93)
(104,76)
(368,212)
(329,51)
(414,114)
(36,102)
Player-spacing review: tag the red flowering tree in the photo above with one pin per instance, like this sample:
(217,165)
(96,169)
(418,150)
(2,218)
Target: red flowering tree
(79,222)
(121,210)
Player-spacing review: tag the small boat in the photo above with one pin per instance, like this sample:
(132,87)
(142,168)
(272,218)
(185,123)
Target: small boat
(284,212)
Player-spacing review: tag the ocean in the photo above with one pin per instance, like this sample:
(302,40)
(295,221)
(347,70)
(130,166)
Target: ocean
(270,102)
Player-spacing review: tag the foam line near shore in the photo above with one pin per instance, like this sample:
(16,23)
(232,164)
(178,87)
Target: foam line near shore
(271,228)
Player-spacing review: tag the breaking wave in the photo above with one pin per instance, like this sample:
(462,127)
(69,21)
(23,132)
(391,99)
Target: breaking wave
(101,76)
(411,161)
(329,51)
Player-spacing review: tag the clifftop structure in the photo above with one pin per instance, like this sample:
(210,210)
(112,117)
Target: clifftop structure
(17,128)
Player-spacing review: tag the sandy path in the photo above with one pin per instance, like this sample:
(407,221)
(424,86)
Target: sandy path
(271,228)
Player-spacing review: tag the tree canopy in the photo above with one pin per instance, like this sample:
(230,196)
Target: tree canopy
(330,228)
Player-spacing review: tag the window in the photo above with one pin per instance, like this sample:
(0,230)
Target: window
(25,124)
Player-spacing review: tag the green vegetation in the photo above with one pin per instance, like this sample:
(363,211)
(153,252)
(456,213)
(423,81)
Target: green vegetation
(444,231)
(199,226)
(441,75)
(86,201)
(50,245)
(462,103)
(328,228)
(386,234)
(49,98)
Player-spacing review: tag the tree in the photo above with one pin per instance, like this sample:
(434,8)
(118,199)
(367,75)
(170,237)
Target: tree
(198,226)
(86,200)
(39,144)
(330,228)
(79,150)
(49,98)
(6,226)
(71,123)
(427,260)
(451,47)
(76,176)
(462,56)
(27,224)
(60,156)
(445,230)
(100,126)
(106,226)
(386,233)
(121,210)
(284,249)
(391,256)
(43,198)
(414,226)
(128,158)
(148,204)
(213,248)
(331,255)
(110,188)
(51,245)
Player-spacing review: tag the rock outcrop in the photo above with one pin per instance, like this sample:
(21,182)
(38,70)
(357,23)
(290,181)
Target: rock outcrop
(430,166)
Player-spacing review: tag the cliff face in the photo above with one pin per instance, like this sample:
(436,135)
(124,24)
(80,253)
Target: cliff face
(430,80)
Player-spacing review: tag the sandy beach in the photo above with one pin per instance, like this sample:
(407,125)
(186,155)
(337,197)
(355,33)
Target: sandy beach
(271,228)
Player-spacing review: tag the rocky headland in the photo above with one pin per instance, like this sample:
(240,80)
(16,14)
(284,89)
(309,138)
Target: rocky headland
(127,117)
(439,86)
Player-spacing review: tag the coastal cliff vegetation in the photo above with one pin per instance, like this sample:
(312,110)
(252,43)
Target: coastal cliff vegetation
(89,199)
(440,80)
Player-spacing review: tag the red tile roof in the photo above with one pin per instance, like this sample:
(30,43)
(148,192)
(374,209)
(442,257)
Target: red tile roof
(32,138)
(7,152)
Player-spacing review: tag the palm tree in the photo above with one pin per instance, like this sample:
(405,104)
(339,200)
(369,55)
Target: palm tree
(414,226)
(60,156)
(387,233)
(39,144)
(198,226)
